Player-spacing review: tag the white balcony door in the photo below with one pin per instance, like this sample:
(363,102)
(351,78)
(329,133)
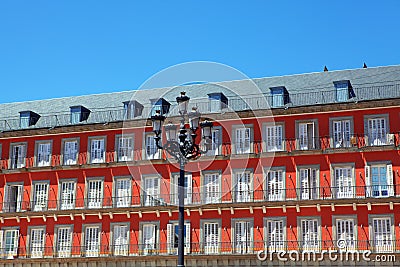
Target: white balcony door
(345,231)
(151,191)
(215,143)
(306,136)
(70,152)
(95,193)
(122,192)
(97,152)
(152,151)
(18,159)
(125,149)
(92,241)
(67,195)
(341,133)
(121,240)
(149,238)
(344,183)
(275,190)
(242,237)
(173,239)
(187,192)
(64,242)
(309,230)
(13,198)
(274,138)
(275,235)
(377,131)
(308,184)
(211,238)
(37,243)
(43,154)
(242,140)
(11,238)
(243,187)
(40,196)
(383,236)
(211,188)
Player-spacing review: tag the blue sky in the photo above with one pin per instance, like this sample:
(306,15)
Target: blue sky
(62,48)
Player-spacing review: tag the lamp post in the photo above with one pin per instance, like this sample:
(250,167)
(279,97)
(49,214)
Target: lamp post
(183,148)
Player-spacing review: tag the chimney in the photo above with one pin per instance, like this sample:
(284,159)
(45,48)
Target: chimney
(325,69)
(365,66)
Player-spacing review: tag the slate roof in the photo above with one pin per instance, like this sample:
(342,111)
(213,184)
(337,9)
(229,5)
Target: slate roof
(304,89)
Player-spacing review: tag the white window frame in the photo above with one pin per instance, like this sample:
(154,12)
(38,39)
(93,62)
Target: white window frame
(36,241)
(91,247)
(188,189)
(341,131)
(40,201)
(243,144)
(70,158)
(277,191)
(371,188)
(124,152)
(216,142)
(99,154)
(149,246)
(67,199)
(95,201)
(150,150)
(122,196)
(172,237)
(242,189)
(19,161)
(243,243)
(43,153)
(9,251)
(303,135)
(210,245)
(377,136)
(120,244)
(311,191)
(151,195)
(274,136)
(213,196)
(386,243)
(8,205)
(313,244)
(275,241)
(350,238)
(63,246)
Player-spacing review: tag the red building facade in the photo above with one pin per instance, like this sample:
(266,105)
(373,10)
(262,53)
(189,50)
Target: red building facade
(307,177)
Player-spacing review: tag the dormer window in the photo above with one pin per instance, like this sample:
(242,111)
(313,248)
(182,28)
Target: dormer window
(28,118)
(160,104)
(344,91)
(79,114)
(132,109)
(280,96)
(218,101)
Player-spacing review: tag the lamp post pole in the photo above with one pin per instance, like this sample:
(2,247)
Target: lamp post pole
(183,150)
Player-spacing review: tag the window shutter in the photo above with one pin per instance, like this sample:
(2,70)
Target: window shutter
(367,181)
(247,141)
(390,183)
(16,243)
(189,189)
(1,243)
(187,238)
(170,238)
(239,141)
(303,142)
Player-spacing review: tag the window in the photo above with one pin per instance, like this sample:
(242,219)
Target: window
(173,239)
(63,241)
(43,154)
(125,148)
(341,133)
(27,118)
(13,197)
(70,152)
(345,230)
(97,152)
(92,240)
(160,104)
(309,229)
(274,138)
(344,91)
(149,238)
(79,114)
(242,140)
(379,180)
(132,109)
(242,236)
(218,101)
(344,185)
(11,242)
(377,129)
(40,195)
(122,192)
(94,193)
(280,96)
(18,154)
(308,183)
(212,192)
(211,235)
(67,194)
(275,185)
(382,234)
(151,194)
(307,132)
(36,242)
(120,237)
(216,142)
(243,186)
(275,234)
(187,189)
(152,152)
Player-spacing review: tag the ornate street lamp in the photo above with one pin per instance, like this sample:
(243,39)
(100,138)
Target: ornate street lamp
(183,148)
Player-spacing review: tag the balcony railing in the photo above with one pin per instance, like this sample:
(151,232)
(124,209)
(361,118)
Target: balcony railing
(203,248)
(204,198)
